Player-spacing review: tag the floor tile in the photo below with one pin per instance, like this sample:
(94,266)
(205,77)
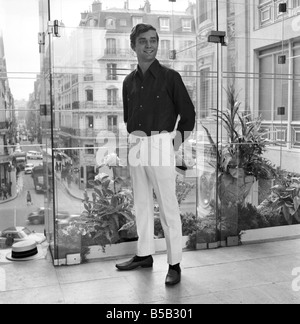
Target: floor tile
(108,291)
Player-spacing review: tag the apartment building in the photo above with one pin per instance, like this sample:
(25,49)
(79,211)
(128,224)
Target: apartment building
(90,67)
(261,58)
(6,120)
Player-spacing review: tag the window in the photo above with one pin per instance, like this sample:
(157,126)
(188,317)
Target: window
(204,92)
(186,25)
(90,121)
(112,97)
(296,3)
(296,85)
(137,20)
(112,71)
(111,46)
(110,23)
(164,24)
(89,77)
(89,149)
(112,122)
(89,95)
(273,85)
(165,47)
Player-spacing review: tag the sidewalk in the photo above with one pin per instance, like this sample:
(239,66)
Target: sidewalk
(249,274)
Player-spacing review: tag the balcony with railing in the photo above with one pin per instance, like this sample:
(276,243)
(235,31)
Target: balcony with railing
(89,133)
(102,105)
(118,52)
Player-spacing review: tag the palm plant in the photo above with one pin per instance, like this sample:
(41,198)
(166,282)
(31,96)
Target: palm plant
(240,161)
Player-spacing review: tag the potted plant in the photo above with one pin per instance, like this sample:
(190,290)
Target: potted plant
(109,214)
(285,198)
(239,162)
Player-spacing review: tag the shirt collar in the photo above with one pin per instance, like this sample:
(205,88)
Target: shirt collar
(153,69)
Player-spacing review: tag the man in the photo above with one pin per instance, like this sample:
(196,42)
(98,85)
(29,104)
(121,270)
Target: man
(154,99)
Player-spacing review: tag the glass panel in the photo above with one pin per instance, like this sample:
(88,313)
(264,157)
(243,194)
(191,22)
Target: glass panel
(256,69)
(90,58)
(240,64)
(22,181)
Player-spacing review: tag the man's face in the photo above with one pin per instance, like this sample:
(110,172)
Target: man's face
(146,46)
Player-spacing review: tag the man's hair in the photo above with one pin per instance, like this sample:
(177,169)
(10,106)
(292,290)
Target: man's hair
(138,30)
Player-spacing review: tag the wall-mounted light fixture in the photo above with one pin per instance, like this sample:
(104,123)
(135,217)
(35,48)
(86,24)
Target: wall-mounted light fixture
(283,7)
(282,59)
(217,37)
(281,111)
(173,54)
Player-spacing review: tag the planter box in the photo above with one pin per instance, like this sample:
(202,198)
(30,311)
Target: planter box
(214,245)
(126,249)
(202,246)
(232,241)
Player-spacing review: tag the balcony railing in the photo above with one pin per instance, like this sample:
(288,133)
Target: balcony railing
(96,105)
(87,133)
(118,52)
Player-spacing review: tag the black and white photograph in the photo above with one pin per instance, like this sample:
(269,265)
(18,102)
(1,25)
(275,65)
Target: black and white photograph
(149,154)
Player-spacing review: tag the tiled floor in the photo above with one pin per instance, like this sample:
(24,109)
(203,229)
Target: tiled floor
(252,274)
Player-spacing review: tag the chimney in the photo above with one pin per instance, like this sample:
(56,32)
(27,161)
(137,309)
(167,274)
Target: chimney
(147,7)
(97,6)
(126,5)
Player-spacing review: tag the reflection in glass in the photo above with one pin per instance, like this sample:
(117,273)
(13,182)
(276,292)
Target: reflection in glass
(74,117)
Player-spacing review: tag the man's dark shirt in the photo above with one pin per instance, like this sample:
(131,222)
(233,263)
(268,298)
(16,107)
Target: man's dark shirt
(152,103)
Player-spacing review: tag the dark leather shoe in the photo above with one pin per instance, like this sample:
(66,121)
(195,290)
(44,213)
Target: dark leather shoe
(134,263)
(173,277)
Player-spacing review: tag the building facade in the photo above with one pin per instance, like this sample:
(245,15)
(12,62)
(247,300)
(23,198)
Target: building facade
(7,118)
(95,60)
(261,58)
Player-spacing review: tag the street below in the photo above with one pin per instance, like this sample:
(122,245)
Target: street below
(15,212)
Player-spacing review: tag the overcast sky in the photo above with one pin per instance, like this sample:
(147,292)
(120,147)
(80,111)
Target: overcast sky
(19,21)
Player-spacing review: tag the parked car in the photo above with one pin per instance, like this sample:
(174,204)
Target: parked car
(21,234)
(34,155)
(37,217)
(62,218)
(28,168)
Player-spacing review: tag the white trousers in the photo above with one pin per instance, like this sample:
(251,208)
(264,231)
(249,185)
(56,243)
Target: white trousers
(152,166)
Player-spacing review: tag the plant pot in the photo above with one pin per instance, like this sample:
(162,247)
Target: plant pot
(232,241)
(67,247)
(202,246)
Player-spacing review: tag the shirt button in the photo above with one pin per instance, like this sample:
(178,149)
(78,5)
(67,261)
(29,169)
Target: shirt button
(141,106)
(158,97)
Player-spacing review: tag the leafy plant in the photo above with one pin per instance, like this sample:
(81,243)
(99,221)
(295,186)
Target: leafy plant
(243,154)
(287,200)
(283,204)
(109,214)
(240,160)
